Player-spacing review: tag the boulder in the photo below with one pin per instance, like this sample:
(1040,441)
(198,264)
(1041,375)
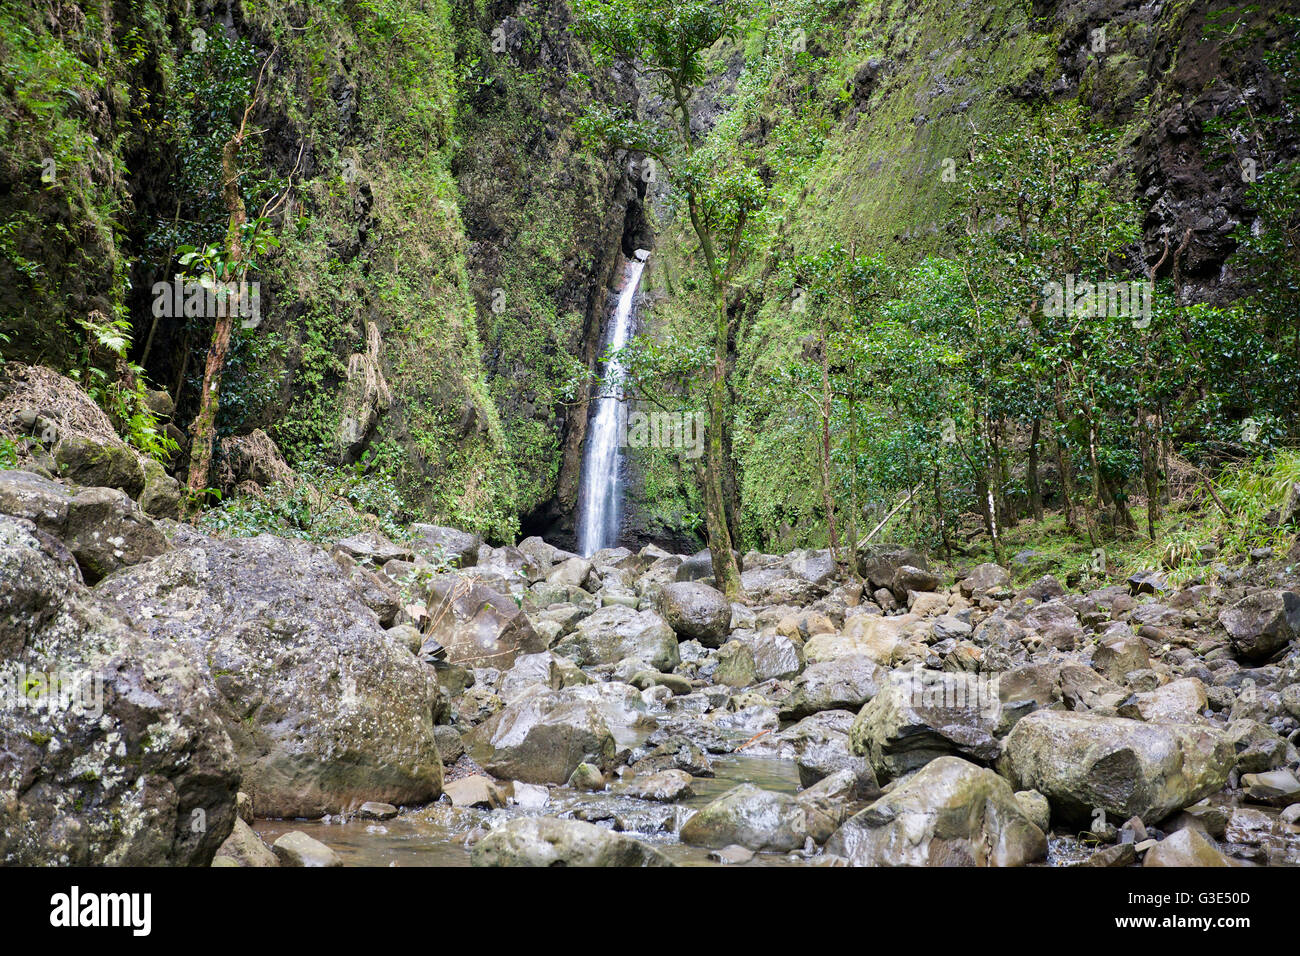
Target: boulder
(1083,762)
(750,817)
(616,632)
(573,573)
(245,848)
(878,563)
(326,709)
(543,738)
(921,715)
(837,684)
(1187,847)
(983,578)
(477,626)
(87,462)
(951,813)
(548,841)
(441,544)
(296,848)
(1180,700)
(1260,625)
(113,748)
(696,611)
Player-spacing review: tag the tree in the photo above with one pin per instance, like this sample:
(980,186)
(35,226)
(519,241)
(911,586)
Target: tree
(665,41)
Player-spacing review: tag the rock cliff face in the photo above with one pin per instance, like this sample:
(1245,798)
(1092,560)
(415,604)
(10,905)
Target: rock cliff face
(445,243)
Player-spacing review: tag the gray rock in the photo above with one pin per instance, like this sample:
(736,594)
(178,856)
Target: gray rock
(445,544)
(751,817)
(1084,762)
(840,683)
(696,611)
(951,813)
(100,465)
(548,841)
(477,626)
(920,715)
(1260,625)
(296,848)
(114,752)
(300,670)
(543,738)
(615,632)
(245,848)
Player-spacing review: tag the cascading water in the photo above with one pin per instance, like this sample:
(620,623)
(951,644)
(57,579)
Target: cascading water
(599,501)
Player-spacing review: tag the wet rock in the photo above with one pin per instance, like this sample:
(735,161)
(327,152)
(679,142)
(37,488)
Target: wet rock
(543,738)
(474,791)
(529,796)
(245,848)
(951,813)
(776,656)
(1179,700)
(1259,625)
(751,817)
(548,841)
(586,776)
(735,665)
(300,670)
(696,611)
(614,633)
(837,684)
(441,544)
(374,810)
(1082,762)
(295,848)
(675,752)
(1188,847)
(114,752)
(984,578)
(1258,747)
(1122,854)
(94,464)
(663,786)
(919,716)
(735,855)
(476,625)
(1276,787)
(545,669)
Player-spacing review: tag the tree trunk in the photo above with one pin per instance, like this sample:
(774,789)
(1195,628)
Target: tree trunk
(203,431)
(1031,472)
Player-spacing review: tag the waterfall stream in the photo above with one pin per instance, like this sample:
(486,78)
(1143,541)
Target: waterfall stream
(599,500)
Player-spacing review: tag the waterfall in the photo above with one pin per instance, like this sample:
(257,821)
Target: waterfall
(599,499)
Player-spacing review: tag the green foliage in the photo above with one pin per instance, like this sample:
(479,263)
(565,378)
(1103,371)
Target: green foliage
(328,504)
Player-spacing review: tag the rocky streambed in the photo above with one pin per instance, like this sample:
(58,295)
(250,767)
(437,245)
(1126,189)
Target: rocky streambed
(171,698)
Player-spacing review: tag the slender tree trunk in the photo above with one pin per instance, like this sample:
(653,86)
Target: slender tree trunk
(725,572)
(203,431)
(1031,472)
